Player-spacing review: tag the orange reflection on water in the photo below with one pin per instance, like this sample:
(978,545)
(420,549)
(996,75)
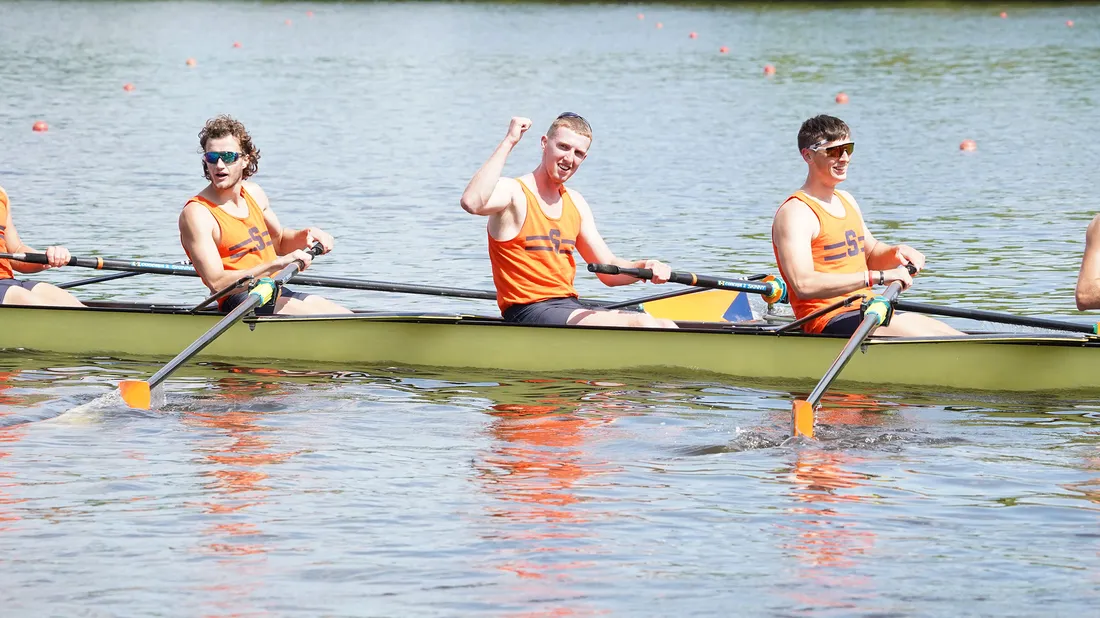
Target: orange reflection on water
(8,435)
(539,456)
(238,483)
(828,540)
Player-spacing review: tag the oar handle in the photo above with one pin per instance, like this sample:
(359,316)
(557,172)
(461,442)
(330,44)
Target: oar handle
(773,290)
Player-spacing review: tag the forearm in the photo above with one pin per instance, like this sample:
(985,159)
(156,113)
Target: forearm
(827,285)
(26,267)
(882,257)
(1087,293)
(226,278)
(290,240)
(617,280)
(484,182)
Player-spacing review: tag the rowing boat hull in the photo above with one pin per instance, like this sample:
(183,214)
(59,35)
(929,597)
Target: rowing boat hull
(981,362)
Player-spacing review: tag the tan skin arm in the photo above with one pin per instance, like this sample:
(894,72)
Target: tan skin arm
(1087,293)
(197,227)
(487,193)
(594,250)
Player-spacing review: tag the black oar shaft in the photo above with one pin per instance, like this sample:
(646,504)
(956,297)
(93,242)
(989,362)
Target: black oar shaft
(995,316)
(383,286)
(692,279)
(870,323)
(157,268)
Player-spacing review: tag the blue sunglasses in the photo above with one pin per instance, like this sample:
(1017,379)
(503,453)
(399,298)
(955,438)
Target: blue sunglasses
(226,156)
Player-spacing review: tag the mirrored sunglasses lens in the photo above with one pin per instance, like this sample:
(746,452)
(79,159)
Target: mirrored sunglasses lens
(210,157)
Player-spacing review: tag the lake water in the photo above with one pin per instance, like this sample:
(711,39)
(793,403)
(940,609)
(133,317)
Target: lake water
(381,491)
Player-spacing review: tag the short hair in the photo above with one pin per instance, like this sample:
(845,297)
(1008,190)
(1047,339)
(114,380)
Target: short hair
(226,126)
(821,129)
(573,122)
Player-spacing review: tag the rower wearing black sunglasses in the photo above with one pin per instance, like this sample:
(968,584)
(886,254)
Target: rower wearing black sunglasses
(230,231)
(825,251)
(534,225)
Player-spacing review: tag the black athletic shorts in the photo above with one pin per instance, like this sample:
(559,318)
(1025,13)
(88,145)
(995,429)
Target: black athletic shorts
(553,311)
(229,303)
(843,323)
(6,284)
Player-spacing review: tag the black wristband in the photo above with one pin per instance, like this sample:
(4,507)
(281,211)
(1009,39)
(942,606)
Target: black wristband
(881,278)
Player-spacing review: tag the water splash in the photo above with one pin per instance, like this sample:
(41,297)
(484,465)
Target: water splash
(94,410)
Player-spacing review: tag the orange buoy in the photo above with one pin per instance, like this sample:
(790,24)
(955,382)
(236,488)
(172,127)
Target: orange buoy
(660,25)
(723,49)
(191,62)
(128,87)
(769,69)
(288,22)
(40,127)
(968,145)
(309,13)
(237,44)
(1069,23)
(841,98)
(641,15)
(1003,15)
(693,36)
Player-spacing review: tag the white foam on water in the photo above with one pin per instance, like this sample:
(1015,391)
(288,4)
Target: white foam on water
(95,410)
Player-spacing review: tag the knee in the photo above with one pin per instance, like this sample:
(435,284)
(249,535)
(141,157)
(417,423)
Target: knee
(644,320)
(18,296)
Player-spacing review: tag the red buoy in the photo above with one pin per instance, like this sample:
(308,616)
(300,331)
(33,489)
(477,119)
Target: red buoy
(968,145)
(841,98)
(191,62)
(693,36)
(660,25)
(769,69)
(723,49)
(40,127)
(1069,23)
(641,15)
(1003,15)
(128,87)
(236,44)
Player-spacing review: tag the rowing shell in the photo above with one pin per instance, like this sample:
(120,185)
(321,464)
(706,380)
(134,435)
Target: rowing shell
(994,362)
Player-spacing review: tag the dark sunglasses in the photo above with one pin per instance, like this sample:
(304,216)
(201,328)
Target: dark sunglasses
(834,151)
(577,116)
(226,156)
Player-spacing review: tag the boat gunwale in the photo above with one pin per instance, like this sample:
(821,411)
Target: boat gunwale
(125,307)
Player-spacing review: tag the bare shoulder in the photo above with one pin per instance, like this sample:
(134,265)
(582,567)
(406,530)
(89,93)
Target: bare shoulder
(4,197)
(195,216)
(579,202)
(848,196)
(794,209)
(257,194)
(1092,234)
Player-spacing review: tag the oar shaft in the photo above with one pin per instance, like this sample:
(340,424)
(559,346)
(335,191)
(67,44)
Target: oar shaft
(995,316)
(870,322)
(383,286)
(692,279)
(157,268)
(259,295)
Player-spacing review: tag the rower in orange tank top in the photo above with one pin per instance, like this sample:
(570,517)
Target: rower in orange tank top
(838,248)
(534,225)
(20,292)
(825,251)
(230,232)
(537,264)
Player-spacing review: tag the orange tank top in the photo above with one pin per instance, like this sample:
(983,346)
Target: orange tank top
(244,243)
(838,248)
(538,263)
(5,265)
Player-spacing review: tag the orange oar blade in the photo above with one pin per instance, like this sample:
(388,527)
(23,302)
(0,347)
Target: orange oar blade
(802,414)
(136,393)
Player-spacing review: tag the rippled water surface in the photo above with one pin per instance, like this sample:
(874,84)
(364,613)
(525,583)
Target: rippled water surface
(304,490)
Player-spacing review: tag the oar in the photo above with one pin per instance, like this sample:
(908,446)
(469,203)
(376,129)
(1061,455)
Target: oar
(138,267)
(998,317)
(773,291)
(102,278)
(138,393)
(98,263)
(877,312)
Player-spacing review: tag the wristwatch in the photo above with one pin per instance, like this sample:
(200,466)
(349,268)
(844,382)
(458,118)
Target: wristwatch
(881,278)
